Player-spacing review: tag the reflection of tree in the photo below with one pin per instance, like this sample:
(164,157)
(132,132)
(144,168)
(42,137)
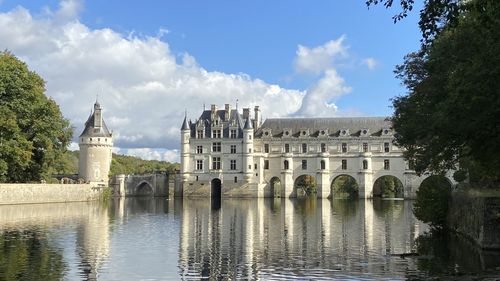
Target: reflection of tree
(345,208)
(26,255)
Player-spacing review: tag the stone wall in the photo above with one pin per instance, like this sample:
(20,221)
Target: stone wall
(47,193)
(478,218)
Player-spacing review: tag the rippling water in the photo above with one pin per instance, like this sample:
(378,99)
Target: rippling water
(283,239)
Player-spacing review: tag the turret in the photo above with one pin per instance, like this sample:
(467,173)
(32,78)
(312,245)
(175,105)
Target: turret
(248,150)
(185,135)
(257,117)
(96,145)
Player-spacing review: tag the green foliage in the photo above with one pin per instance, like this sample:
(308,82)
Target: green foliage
(434,15)
(451,112)
(388,187)
(307,184)
(122,164)
(345,187)
(460,175)
(33,133)
(431,205)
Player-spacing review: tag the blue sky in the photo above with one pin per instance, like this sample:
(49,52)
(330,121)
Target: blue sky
(290,54)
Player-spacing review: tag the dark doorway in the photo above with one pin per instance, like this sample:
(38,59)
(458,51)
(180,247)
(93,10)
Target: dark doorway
(216,188)
(216,193)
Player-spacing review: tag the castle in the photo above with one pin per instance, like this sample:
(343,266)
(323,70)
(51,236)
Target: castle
(228,154)
(96,145)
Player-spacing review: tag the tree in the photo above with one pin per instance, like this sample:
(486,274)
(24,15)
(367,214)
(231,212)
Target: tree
(33,132)
(450,115)
(433,17)
(431,204)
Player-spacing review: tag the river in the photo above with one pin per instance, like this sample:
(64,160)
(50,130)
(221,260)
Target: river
(265,239)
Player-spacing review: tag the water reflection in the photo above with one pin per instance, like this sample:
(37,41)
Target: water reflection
(158,239)
(284,238)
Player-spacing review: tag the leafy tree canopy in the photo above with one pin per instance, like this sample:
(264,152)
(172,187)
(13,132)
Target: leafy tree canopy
(33,132)
(452,111)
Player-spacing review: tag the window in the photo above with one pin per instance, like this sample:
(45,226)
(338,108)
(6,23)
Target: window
(386,147)
(199,149)
(216,134)
(344,147)
(344,164)
(199,165)
(249,167)
(249,150)
(387,164)
(365,147)
(322,164)
(232,134)
(304,164)
(411,165)
(323,147)
(216,163)
(249,137)
(266,164)
(233,148)
(287,148)
(232,165)
(365,165)
(196,178)
(235,179)
(199,134)
(304,148)
(285,165)
(255,166)
(216,147)
(266,148)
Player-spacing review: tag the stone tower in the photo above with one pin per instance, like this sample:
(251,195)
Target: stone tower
(185,135)
(248,150)
(96,144)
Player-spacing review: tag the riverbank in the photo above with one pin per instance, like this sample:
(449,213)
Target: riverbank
(26,193)
(475,213)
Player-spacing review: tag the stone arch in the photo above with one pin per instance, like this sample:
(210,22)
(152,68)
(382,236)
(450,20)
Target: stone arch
(305,185)
(437,179)
(275,187)
(216,189)
(388,186)
(344,187)
(144,188)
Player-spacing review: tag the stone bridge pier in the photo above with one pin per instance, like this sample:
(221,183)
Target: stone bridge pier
(154,185)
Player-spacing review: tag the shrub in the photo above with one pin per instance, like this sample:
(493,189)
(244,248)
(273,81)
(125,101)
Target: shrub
(460,175)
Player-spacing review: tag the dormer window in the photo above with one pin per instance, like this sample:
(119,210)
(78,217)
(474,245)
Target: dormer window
(304,132)
(323,133)
(199,134)
(364,132)
(386,131)
(287,132)
(267,133)
(344,132)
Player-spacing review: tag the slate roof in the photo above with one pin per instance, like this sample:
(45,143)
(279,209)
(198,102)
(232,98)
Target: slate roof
(355,125)
(205,119)
(90,131)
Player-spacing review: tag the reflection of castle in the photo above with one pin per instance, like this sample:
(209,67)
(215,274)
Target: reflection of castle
(244,157)
(263,239)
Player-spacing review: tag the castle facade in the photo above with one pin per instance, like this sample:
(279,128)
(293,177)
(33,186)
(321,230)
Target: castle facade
(96,147)
(228,154)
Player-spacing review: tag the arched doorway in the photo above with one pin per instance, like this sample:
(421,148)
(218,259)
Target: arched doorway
(344,187)
(388,187)
(305,185)
(216,191)
(144,189)
(275,187)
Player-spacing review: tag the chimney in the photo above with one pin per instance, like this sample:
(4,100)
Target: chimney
(227,112)
(246,113)
(258,118)
(213,112)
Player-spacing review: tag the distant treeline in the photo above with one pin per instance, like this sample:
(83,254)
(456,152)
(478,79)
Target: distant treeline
(121,164)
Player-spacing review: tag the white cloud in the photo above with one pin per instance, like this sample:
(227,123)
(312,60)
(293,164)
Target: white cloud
(142,88)
(371,63)
(318,59)
(319,99)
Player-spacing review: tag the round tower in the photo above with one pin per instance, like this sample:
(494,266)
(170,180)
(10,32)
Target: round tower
(185,135)
(247,150)
(96,147)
